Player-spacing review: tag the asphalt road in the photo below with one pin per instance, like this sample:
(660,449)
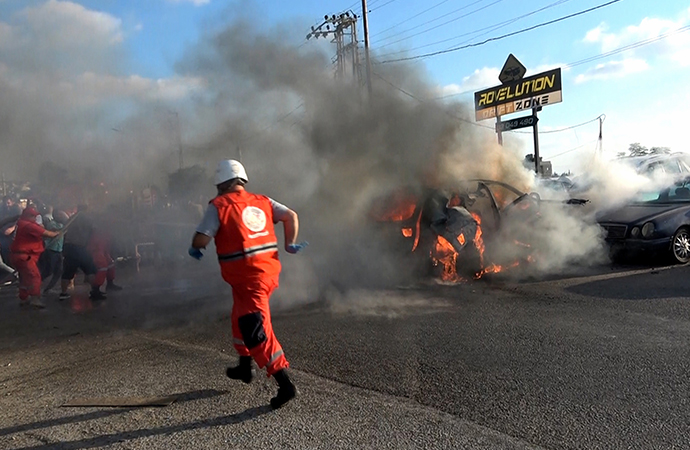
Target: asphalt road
(598,360)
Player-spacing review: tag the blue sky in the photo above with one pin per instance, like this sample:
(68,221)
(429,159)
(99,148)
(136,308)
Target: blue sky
(641,91)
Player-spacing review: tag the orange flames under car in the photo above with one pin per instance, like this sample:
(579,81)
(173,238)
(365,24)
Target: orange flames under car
(442,254)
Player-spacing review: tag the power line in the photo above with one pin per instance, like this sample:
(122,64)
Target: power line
(437,26)
(573,149)
(480,125)
(398,88)
(600,116)
(410,18)
(599,56)
(490,28)
(270,125)
(630,46)
(381,6)
(497,38)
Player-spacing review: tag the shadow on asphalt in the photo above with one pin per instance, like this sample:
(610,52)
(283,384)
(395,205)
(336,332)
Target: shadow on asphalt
(111,439)
(183,397)
(669,282)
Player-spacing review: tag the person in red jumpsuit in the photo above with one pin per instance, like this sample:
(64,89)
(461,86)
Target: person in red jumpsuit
(242,225)
(99,247)
(25,251)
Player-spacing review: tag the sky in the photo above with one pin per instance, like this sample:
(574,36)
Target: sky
(123,52)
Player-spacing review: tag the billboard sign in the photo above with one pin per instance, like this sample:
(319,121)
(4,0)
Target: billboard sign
(541,89)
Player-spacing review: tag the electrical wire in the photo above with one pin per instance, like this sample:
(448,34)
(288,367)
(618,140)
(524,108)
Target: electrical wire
(572,149)
(497,38)
(270,125)
(488,29)
(410,18)
(601,55)
(629,46)
(599,117)
(434,20)
(423,101)
(381,6)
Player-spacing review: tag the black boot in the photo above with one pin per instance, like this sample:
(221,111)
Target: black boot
(243,371)
(96,294)
(286,390)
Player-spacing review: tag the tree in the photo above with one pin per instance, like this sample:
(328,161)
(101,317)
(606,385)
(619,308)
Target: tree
(636,149)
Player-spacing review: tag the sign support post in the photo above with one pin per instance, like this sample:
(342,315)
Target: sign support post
(535,132)
(499,130)
(517,93)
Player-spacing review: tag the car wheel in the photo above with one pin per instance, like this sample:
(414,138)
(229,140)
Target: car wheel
(680,245)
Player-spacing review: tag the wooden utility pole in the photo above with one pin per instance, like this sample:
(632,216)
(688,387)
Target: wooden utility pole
(365,16)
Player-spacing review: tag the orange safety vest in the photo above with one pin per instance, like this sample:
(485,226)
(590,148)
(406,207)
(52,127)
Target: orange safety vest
(246,242)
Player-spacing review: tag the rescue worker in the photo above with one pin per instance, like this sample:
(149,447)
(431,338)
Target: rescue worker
(99,247)
(76,256)
(242,225)
(25,252)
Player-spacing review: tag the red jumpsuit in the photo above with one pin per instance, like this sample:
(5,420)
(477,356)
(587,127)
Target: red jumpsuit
(248,255)
(99,247)
(25,251)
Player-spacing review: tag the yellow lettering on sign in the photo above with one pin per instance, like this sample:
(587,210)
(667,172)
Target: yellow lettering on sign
(538,84)
(502,94)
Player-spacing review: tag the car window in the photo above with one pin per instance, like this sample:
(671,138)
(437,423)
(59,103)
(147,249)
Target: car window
(503,196)
(670,166)
(684,163)
(677,193)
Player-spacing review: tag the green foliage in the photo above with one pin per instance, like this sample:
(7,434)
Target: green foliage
(636,149)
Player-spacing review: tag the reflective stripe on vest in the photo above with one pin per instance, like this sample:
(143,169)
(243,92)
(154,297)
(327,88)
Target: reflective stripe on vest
(249,251)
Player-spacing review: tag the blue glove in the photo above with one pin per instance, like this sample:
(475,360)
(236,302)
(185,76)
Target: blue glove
(195,253)
(294,248)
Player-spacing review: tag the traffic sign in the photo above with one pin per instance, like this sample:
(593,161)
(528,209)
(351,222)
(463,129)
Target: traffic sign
(512,70)
(514,124)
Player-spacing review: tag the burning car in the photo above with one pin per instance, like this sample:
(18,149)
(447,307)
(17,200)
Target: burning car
(465,231)
(655,221)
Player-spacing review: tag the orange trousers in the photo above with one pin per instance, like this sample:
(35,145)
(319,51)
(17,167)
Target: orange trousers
(105,268)
(252,330)
(29,274)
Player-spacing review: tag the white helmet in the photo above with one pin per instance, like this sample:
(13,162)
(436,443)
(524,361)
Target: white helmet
(229,169)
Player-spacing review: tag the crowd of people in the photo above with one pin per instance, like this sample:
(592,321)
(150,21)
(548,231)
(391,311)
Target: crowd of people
(40,246)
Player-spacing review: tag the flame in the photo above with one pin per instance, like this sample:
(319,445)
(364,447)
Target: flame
(407,232)
(397,208)
(478,241)
(444,254)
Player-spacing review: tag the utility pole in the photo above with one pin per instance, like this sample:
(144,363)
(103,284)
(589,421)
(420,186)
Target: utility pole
(343,29)
(178,137)
(535,134)
(365,15)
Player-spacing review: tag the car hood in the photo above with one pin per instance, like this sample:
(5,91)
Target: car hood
(636,213)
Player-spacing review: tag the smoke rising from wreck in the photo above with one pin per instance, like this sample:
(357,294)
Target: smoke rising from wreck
(326,149)
(319,145)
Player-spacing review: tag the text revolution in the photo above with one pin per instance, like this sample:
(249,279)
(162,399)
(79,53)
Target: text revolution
(537,90)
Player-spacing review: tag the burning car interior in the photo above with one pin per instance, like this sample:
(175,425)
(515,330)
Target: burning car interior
(461,232)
